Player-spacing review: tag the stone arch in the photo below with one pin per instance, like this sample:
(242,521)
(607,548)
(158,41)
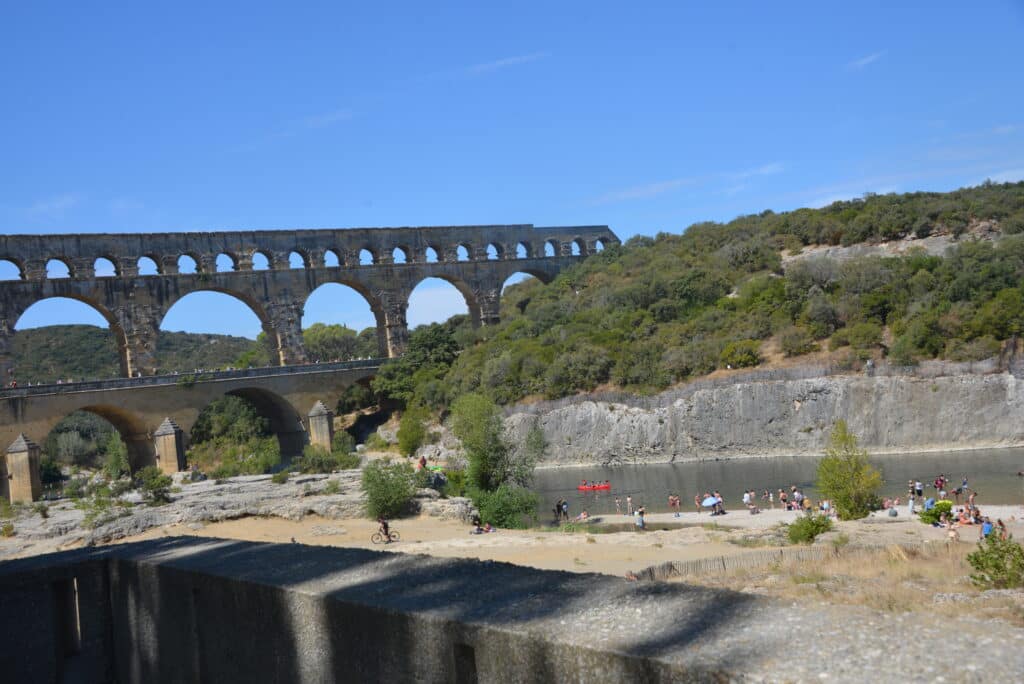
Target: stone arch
(463,252)
(116,329)
(431,254)
(103,267)
(133,431)
(332,259)
(372,301)
(255,306)
(524,250)
(469,295)
(298,259)
(11,269)
(58,267)
(495,251)
(188,263)
(401,255)
(261,261)
(285,420)
(225,263)
(368,256)
(600,244)
(578,247)
(552,248)
(148,264)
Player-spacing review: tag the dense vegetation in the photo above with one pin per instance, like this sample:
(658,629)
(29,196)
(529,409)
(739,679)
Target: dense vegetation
(661,310)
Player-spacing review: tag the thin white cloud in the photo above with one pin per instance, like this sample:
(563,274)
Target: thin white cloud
(660,187)
(327,118)
(765,170)
(505,62)
(866,60)
(56,205)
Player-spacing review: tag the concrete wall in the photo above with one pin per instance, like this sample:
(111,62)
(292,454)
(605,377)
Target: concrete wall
(207,610)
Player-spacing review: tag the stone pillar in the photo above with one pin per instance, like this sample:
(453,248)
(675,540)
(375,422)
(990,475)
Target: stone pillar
(489,301)
(168,265)
(141,326)
(34,269)
(24,484)
(286,324)
(450,253)
(128,268)
(243,262)
(169,442)
(81,267)
(395,325)
(565,249)
(278,261)
(321,426)
(207,263)
(478,253)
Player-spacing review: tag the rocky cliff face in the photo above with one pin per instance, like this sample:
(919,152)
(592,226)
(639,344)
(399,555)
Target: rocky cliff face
(787,417)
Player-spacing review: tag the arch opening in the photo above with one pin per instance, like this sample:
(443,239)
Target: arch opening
(56,268)
(248,431)
(260,262)
(297,260)
(94,437)
(103,268)
(147,266)
(399,255)
(430,255)
(599,245)
(435,300)
(9,270)
(331,259)
(523,251)
(225,263)
(47,328)
(226,329)
(339,324)
(494,252)
(551,248)
(187,264)
(366,257)
(518,289)
(577,247)
(462,253)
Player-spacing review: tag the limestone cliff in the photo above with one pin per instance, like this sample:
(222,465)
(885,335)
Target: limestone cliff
(785,417)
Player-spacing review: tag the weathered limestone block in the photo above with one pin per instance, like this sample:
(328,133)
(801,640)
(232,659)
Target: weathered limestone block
(321,426)
(169,442)
(24,483)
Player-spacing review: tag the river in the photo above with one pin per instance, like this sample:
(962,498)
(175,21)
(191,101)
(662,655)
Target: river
(992,472)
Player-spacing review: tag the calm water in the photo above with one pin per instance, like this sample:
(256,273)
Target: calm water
(992,472)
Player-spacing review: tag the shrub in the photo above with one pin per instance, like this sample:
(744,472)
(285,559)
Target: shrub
(999,563)
(932,515)
(333,487)
(389,486)
(115,466)
(280,477)
(343,442)
(846,477)
(42,509)
(803,530)
(509,506)
(156,486)
(74,488)
(741,354)
(795,341)
(224,458)
(7,530)
(316,459)
(376,443)
(49,471)
(412,430)
(456,483)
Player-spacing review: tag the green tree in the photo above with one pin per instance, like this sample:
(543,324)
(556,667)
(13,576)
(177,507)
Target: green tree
(156,486)
(478,424)
(330,342)
(999,563)
(389,486)
(741,354)
(846,477)
(412,430)
(116,464)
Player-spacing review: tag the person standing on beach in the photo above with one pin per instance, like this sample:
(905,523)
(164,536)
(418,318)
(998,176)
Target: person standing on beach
(629,504)
(696,502)
(618,506)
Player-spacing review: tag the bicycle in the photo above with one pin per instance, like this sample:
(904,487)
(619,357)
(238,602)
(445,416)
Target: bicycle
(378,537)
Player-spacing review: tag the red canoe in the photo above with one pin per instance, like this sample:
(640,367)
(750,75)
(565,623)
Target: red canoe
(591,488)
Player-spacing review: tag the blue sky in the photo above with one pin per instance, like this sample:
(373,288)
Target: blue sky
(646,118)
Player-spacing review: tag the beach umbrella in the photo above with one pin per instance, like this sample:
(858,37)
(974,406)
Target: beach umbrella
(709,502)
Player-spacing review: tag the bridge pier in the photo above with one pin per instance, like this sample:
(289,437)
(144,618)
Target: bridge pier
(22,473)
(169,444)
(321,426)
(285,326)
(396,327)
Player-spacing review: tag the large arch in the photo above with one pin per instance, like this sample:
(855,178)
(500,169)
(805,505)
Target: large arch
(51,311)
(350,304)
(285,421)
(132,430)
(432,301)
(217,311)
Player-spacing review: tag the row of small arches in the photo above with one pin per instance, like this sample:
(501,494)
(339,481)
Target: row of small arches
(187,264)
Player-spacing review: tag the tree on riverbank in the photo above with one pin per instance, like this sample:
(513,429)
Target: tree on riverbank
(846,477)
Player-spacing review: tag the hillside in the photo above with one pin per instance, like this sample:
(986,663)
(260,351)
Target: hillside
(86,352)
(658,311)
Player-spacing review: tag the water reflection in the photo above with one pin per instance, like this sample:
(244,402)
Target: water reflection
(992,472)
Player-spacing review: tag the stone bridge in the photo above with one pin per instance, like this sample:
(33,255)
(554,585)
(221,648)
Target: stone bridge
(383,264)
(139,408)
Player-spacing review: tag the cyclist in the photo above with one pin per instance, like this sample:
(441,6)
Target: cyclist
(385,529)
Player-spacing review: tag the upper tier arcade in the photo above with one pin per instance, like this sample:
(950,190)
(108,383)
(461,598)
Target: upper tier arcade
(383,264)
